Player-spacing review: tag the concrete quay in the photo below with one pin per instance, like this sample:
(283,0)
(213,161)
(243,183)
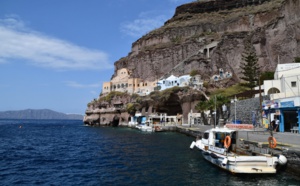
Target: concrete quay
(288,144)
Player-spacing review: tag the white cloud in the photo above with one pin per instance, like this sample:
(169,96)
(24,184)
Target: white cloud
(19,42)
(146,22)
(74,84)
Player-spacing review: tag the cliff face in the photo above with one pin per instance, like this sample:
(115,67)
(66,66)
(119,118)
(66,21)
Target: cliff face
(210,35)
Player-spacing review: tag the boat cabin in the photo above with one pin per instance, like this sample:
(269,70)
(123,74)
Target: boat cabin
(215,140)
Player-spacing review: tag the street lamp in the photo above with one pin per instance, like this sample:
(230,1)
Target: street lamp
(268,109)
(234,101)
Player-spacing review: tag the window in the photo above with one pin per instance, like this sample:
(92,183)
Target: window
(206,135)
(293,84)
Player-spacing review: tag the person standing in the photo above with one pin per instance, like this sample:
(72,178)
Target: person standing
(253,119)
(276,124)
(272,125)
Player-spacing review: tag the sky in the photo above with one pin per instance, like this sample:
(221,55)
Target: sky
(56,54)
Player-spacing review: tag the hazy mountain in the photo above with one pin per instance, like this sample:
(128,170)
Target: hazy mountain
(38,114)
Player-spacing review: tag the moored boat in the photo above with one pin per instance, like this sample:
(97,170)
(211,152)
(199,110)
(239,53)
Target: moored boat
(219,146)
(145,128)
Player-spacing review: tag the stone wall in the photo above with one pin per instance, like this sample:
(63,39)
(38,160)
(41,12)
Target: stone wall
(244,109)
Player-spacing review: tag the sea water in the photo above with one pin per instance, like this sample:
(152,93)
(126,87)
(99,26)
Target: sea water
(62,152)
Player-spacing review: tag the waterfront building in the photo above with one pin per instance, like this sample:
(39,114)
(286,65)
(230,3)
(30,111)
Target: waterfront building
(284,93)
(122,82)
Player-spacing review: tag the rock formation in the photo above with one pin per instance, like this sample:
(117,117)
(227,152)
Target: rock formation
(212,35)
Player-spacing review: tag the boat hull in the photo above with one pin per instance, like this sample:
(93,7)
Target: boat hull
(257,167)
(239,164)
(145,128)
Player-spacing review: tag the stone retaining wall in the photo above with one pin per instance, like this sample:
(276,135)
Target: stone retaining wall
(244,110)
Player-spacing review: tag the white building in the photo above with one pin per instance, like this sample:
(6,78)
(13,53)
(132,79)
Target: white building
(284,92)
(173,81)
(222,75)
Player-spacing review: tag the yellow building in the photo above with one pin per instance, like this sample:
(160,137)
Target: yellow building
(123,83)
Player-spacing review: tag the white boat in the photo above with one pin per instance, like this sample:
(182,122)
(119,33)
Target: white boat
(219,146)
(145,128)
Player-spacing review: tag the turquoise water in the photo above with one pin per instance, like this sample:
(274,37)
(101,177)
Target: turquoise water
(68,153)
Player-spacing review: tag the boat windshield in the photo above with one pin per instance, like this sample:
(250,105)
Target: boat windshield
(206,135)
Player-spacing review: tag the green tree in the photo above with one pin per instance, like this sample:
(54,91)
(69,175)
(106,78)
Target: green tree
(214,102)
(250,68)
(130,108)
(193,73)
(203,106)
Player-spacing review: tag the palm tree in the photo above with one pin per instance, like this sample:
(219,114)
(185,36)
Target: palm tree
(214,103)
(201,107)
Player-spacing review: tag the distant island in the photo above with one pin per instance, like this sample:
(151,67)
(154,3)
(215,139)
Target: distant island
(38,114)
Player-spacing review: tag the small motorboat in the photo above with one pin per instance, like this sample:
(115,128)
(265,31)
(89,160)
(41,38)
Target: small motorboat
(219,146)
(145,128)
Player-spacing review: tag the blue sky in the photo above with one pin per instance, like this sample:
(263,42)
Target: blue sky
(56,54)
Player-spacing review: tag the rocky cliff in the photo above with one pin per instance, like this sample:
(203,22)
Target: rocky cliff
(210,35)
